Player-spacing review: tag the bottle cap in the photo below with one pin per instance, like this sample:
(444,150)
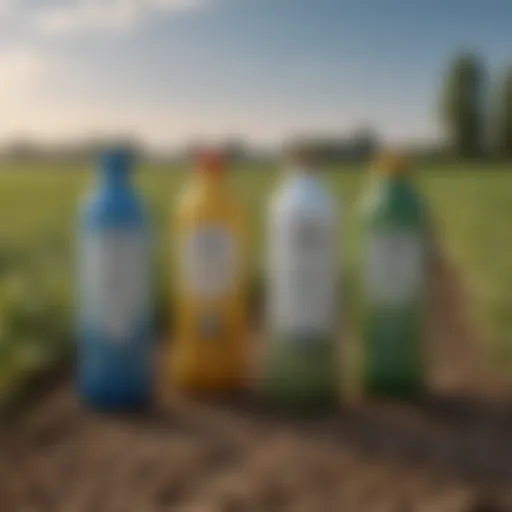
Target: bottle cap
(116,158)
(393,163)
(210,161)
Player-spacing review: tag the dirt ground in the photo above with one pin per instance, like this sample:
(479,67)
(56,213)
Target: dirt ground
(451,453)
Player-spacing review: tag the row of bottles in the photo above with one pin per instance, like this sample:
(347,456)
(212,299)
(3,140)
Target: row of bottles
(300,366)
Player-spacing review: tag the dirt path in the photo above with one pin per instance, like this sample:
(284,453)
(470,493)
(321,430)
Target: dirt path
(452,453)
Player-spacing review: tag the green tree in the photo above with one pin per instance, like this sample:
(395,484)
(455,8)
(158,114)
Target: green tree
(463,105)
(503,120)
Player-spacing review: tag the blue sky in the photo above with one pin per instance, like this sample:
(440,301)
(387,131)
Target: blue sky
(171,70)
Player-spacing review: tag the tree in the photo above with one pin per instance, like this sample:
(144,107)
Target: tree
(463,105)
(503,120)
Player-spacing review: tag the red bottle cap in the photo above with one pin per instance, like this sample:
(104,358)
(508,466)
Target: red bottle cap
(211,161)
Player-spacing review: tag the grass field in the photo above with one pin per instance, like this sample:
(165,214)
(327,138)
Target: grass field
(472,206)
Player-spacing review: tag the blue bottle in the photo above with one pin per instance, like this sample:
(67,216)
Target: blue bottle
(115,352)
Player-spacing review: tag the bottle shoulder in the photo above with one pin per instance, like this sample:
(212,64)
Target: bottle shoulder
(104,206)
(298,196)
(385,202)
(198,205)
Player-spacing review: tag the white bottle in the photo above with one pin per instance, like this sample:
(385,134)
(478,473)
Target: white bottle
(302,288)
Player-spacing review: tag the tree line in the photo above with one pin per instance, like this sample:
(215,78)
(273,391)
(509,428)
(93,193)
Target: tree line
(477,118)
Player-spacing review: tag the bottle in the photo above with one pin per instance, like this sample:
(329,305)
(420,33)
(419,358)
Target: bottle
(115,352)
(210,353)
(300,364)
(394,244)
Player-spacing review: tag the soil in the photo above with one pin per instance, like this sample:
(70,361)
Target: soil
(450,453)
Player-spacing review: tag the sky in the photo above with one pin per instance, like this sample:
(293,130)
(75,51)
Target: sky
(171,71)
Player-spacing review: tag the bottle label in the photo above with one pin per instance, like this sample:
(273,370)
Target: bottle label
(394,266)
(209,263)
(302,276)
(116,281)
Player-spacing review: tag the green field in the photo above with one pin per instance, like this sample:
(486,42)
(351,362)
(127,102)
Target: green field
(38,207)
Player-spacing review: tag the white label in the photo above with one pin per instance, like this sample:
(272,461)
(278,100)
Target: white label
(394,266)
(116,281)
(209,261)
(302,275)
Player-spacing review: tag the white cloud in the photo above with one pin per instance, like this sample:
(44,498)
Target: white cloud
(23,72)
(86,15)
(32,105)
(20,69)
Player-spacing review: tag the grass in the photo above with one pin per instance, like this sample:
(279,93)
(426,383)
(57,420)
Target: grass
(39,205)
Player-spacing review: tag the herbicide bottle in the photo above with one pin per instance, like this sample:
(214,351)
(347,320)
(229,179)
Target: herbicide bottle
(393,278)
(300,365)
(210,345)
(115,325)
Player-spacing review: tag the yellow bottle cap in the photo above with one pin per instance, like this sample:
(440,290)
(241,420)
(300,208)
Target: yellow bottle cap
(392,163)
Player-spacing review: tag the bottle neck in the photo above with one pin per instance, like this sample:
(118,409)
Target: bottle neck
(395,180)
(395,185)
(301,171)
(115,169)
(301,174)
(115,178)
(211,182)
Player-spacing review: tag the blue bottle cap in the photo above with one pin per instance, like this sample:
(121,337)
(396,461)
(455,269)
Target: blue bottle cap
(117,159)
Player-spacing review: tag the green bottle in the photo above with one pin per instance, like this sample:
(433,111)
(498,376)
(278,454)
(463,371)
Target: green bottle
(394,249)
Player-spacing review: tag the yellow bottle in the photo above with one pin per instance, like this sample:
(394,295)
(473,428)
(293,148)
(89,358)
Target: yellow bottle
(210,347)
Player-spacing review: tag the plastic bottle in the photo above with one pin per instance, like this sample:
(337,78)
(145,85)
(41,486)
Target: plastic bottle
(300,365)
(210,353)
(115,352)
(393,282)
